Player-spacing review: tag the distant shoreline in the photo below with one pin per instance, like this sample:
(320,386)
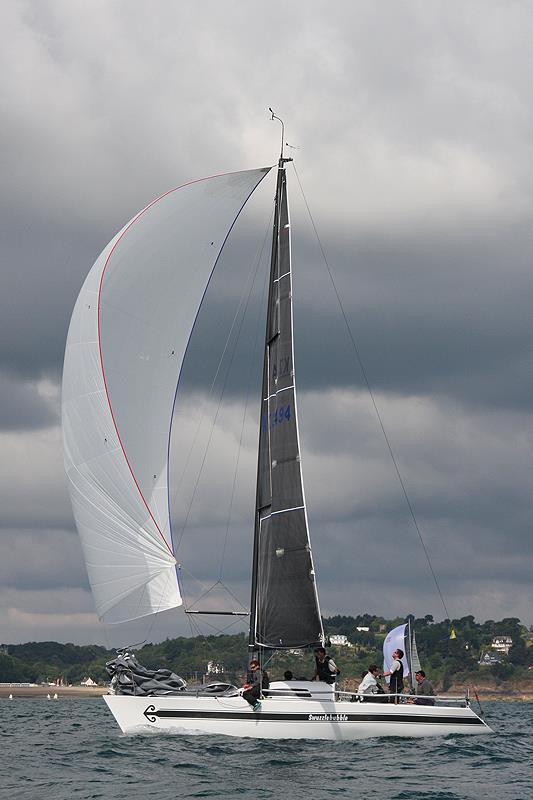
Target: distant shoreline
(99,691)
(61,691)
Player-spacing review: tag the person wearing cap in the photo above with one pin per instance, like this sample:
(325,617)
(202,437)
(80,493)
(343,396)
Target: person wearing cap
(257,681)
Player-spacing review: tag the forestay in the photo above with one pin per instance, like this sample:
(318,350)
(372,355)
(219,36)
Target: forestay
(127,339)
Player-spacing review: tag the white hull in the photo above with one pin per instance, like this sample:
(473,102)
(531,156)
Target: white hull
(289,718)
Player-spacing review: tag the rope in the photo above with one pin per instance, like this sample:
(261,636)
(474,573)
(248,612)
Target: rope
(210,589)
(481,712)
(254,351)
(373,399)
(245,299)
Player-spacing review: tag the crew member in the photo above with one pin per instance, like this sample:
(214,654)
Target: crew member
(257,681)
(396,675)
(325,670)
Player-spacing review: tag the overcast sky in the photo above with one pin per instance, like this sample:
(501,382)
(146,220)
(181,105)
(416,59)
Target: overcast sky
(413,128)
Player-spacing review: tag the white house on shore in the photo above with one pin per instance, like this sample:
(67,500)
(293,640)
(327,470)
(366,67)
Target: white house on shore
(489,657)
(502,644)
(89,682)
(215,669)
(339,640)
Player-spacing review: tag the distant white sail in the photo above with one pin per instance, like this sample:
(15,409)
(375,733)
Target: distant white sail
(127,339)
(415,661)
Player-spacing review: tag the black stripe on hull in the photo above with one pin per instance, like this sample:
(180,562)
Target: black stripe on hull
(151,715)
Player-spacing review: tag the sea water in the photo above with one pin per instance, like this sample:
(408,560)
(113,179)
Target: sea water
(71,748)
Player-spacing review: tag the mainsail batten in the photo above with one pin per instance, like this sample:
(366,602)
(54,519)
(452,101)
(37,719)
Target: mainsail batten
(284,607)
(127,340)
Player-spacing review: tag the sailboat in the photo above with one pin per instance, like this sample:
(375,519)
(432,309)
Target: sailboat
(127,341)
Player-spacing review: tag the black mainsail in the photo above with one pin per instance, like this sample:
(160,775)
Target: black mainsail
(284,605)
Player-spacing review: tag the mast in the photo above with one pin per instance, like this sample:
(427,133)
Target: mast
(284,601)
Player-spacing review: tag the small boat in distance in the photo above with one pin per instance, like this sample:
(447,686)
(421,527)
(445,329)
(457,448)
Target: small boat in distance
(128,336)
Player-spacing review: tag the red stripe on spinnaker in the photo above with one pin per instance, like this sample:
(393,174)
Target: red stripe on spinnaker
(126,229)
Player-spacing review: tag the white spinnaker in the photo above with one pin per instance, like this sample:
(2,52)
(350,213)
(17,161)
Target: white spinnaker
(125,347)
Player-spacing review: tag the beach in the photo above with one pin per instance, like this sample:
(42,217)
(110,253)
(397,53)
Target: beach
(524,694)
(42,691)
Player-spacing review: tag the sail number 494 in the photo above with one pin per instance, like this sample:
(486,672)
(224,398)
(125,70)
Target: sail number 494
(277,417)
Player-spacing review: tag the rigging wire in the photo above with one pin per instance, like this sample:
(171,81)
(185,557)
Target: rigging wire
(197,630)
(217,628)
(244,300)
(209,589)
(372,397)
(243,305)
(210,393)
(254,351)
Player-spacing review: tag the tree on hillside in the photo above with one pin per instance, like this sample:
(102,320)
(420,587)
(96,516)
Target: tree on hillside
(518,654)
(13,671)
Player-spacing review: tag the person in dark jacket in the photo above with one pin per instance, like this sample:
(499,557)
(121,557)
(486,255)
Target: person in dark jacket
(257,681)
(424,690)
(396,675)
(325,668)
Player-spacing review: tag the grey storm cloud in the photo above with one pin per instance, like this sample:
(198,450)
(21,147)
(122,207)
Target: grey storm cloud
(411,131)
(23,407)
(40,559)
(43,266)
